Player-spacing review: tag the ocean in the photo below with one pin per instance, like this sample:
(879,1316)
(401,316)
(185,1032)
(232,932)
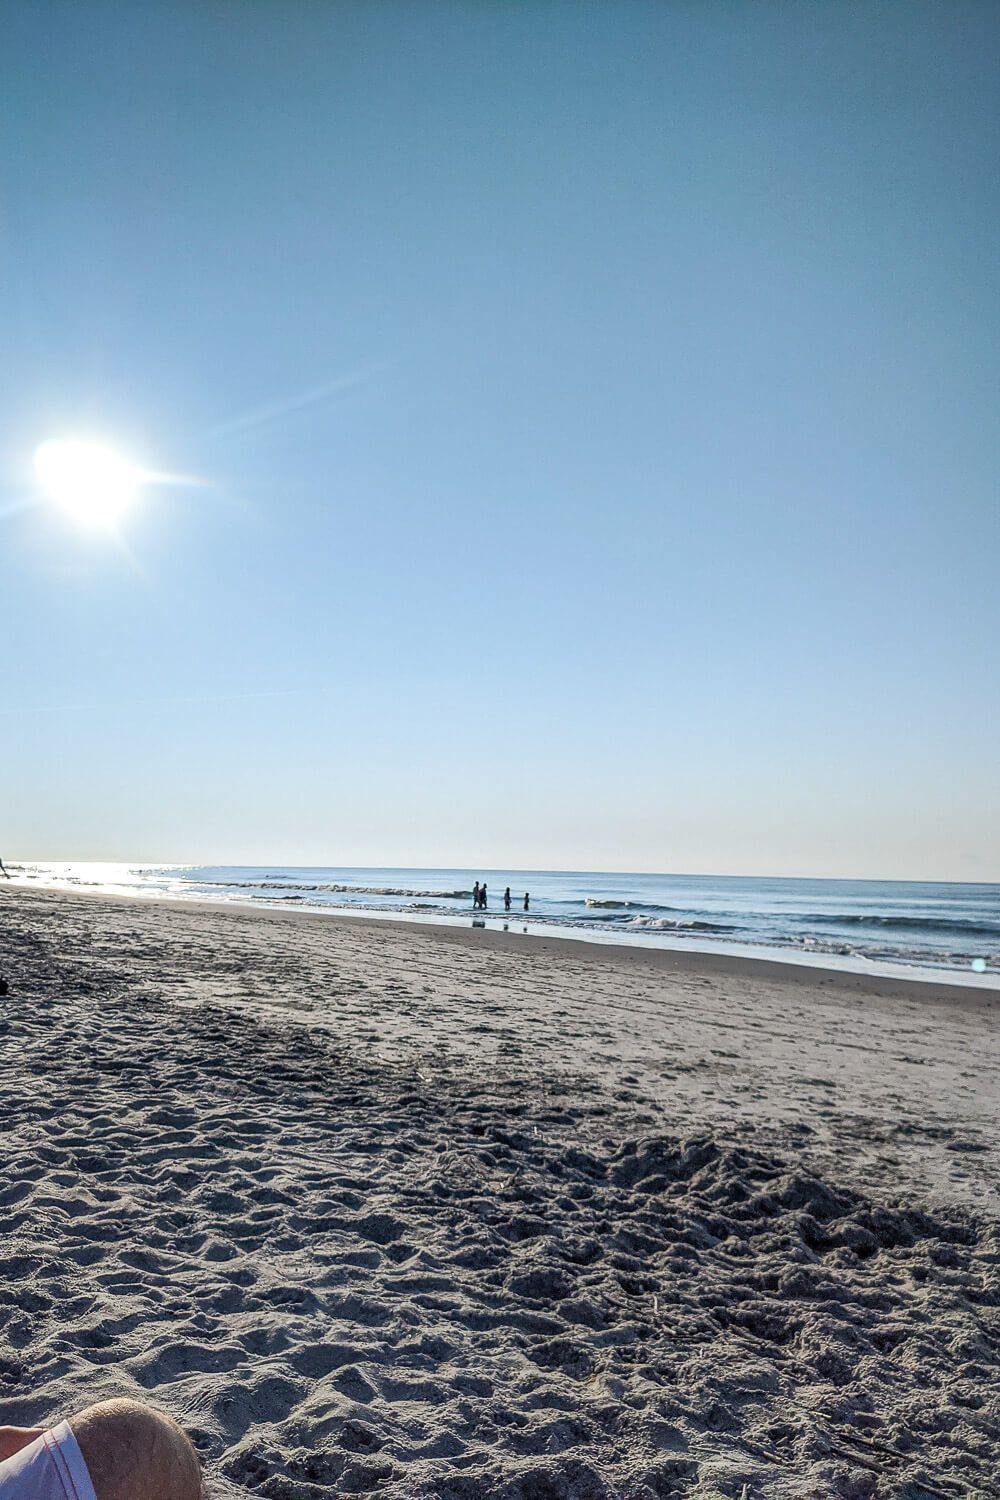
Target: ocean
(859,924)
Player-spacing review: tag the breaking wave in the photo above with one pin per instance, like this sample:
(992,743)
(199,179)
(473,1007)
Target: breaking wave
(671,924)
(335,888)
(962,926)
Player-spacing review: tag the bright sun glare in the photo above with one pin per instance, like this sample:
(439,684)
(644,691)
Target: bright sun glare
(91,483)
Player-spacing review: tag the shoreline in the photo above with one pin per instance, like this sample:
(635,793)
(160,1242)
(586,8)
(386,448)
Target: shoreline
(875,978)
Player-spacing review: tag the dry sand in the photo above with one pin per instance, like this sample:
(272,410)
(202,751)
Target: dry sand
(382,1209)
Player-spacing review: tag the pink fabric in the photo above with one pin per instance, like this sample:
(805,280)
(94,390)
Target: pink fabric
(50,1468)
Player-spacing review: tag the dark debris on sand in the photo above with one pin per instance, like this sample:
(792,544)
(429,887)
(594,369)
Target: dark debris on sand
(353,1280)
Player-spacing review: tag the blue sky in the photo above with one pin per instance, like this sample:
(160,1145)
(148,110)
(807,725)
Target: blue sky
(596,409)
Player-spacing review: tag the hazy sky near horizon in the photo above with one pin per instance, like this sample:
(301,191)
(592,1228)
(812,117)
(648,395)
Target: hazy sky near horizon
(596,409)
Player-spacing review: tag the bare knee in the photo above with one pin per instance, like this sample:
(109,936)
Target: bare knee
(131,1450)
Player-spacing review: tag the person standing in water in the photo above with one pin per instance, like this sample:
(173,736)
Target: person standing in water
(3,871)
(527,898)
(506,899)
(482,896)
(475,896)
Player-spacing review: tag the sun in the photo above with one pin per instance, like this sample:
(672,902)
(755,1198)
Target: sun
(90,482)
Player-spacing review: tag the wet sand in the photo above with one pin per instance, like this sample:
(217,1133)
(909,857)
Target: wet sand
(377,1208)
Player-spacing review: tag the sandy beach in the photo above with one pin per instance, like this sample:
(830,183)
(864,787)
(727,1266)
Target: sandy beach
(414,1211)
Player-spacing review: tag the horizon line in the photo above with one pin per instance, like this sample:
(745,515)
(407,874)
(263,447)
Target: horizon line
(494,869)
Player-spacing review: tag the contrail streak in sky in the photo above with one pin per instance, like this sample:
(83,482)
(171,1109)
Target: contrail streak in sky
(275,411)
(202,698)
